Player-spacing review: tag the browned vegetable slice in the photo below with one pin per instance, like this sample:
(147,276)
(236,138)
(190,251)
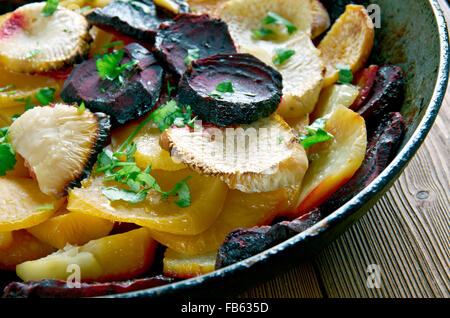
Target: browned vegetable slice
(231,89)
(192,37)
(124,100)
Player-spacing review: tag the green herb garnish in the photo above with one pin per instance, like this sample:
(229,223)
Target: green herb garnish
(49,8)
(109,68)
(7,154)
(28,102)
(32,53)
(224,87)
(263,32)
(44,207)
(345,73)
(193,55)
(112,44)
(45,96)
(81,108)
(316,133)
(282,55)
(2,89)
(171,113)
(273,18)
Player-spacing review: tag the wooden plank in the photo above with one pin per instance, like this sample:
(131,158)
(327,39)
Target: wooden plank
(407,234)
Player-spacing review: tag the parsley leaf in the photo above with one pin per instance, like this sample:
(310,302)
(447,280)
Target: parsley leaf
(316,133)
(273,18)
(116,194)
(171,113)
(81,108)
(193,55)
(345,73)
(112,44)
(109,68)
(28,102)
(49,8)
(7,154)
(7,87)
(184,193)
(282,55)
(224,87)
(45,96)
(263,32)
(44,207)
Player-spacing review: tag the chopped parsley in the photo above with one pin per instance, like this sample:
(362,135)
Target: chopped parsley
(316,133)
(109,68)
(223,87)
(7,154)
(282,55)
(32,53)
(3,89)
(81,108)
(44,207)
(273,18)
(172,114)
(193,55)
(49,8)
(45,96)
(112,44)
(28,102)
(345,73)
(263,32)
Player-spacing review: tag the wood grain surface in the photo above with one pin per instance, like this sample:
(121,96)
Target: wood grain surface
(406,235)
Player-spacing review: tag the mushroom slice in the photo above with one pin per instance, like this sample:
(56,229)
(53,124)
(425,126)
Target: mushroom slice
(260,157)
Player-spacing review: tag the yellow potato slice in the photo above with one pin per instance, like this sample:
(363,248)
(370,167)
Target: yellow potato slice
(349,41)
(23,205)
(207,196)
(334,162)
(148,150)
(331,96)
(187,266)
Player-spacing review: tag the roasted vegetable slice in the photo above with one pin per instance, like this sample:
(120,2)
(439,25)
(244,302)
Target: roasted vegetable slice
(148,151)
(207,198)
(230,89)
(24,247)
(133,92)
(240,210)
(187,266)
(382,147)
(59,144)
(348,42)
(302,69)
(114,257)
(334,162)
(260,157)
(332,96)
(23,204)
(32,42)
(385,96)
(243,243)
(191,37)
(136,19)
(71,228)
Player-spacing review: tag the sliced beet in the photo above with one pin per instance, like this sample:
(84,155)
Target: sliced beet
(200,33)
(257,89)
(386,94)
(365,80)
(125,101)
(136,19)
(52,288)
(382,147)
(244,243)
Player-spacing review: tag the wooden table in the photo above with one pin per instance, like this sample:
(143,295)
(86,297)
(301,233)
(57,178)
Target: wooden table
(407,234)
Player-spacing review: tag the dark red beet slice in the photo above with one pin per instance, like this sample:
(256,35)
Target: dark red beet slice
(201,33)
(365,80)
(257,89)
(52,288)
(243,243)
(382,147)
(137,19)
(386,94)
(124,102)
